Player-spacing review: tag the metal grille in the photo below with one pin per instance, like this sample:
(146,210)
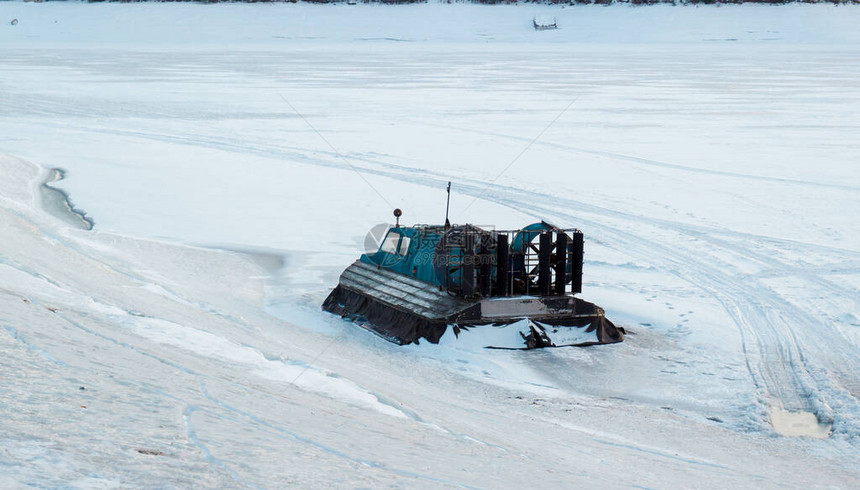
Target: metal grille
(533,262)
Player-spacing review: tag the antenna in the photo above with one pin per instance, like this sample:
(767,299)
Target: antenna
(448,206)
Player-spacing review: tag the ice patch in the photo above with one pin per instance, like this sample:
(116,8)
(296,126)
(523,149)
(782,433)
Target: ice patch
(487,335)
(57,202)
(798,424)
(511,336)
(303,376)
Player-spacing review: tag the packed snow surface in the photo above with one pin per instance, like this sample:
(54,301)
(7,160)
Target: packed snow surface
(232,158)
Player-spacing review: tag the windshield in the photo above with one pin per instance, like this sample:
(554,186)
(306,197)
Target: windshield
(389,245)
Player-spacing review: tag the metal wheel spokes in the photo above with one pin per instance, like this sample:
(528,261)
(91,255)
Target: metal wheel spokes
(555,253)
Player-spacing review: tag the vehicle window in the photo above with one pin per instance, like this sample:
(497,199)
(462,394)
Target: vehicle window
(389,245)
(404,246)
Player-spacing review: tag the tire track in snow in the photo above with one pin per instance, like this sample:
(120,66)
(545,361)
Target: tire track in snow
(647,162)
(80,320)
(192,437)
(775,358)
(329,450)
(191,408)
(777,361)
(768,324)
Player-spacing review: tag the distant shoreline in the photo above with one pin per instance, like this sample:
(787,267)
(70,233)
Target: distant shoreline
(496,2)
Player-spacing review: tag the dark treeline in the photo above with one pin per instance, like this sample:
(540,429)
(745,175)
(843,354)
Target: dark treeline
(510,2)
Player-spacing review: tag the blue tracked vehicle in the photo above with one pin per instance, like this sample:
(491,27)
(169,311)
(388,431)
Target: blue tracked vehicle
(424,280)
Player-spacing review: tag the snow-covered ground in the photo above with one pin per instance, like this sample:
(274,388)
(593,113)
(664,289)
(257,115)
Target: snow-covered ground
(233,157)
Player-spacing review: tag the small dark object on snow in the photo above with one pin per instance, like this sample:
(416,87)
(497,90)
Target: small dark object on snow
(14,22)
(150,452)
(424,279)
(545,24)
(82,388)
